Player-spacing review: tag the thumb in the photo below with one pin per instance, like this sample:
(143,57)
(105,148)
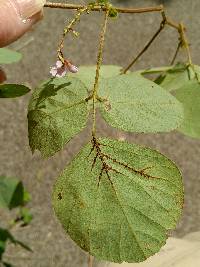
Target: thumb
(2,76)
(17,17)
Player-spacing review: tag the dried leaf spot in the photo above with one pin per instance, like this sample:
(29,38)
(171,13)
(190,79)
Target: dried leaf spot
(60,196)
(112,206)
(107,106)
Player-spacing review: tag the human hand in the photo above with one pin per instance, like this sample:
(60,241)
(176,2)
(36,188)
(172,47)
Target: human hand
(17,17)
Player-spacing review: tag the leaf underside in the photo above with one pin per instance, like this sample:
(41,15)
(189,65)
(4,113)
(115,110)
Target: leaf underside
(87,74)
(117,200)
(59,108)
(57,112)
(189,96)
(133,103)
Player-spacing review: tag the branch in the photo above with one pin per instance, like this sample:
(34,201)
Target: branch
(176,53)
(169,21)
(182,40)
(99,62)
(181,30)
(68,29)
(162,25)
(99,8)
(185,42)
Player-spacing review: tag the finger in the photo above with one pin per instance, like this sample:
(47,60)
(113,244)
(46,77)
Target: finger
(17,17)
(2,76)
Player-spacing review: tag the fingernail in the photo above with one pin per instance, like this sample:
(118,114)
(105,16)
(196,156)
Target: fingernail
(28,8)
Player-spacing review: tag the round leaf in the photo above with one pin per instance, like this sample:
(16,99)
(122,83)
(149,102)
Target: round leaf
(57,112)
(117,200)
(13,90)
(133,103)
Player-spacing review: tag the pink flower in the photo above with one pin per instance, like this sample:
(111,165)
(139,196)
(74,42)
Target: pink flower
(60,69)
(72,68)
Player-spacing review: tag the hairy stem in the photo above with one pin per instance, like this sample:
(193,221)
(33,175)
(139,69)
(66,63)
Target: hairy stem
(98,8)
(68,29)
(99,62)
(185,42)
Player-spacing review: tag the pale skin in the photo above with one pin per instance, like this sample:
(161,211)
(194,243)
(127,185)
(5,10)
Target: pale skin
(17,17)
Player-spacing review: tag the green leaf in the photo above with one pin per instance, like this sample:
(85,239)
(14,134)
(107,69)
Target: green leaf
(189,96)
(2,247)
(8,56)
(58,109)
(102,2)
(176,77)
(133,103)
(5,235)
(11,192)
(117,200)
(13,90)
(26,197)
(113,13)
(6,264)
(25,216)
(87,74)
(196,71)
(57,112)
(158,70)
(173,81)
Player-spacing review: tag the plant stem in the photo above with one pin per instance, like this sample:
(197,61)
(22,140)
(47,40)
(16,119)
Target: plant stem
(181,30)
(162,25)
(99,62)
(156,70)
(99,8)
(90,261)
(185,42)
(169,21)
(67,30)
(176,53)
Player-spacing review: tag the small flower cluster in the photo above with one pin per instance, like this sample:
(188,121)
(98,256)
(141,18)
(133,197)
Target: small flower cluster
(61,68)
